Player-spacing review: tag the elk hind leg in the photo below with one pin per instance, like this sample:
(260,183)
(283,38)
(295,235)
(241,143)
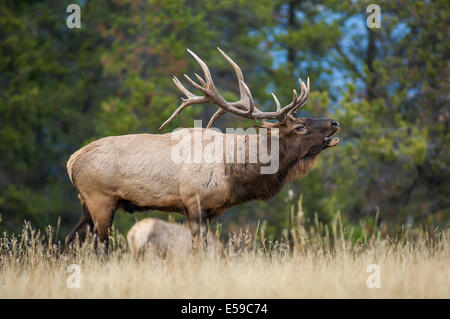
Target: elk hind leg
(82,227)
(102,209)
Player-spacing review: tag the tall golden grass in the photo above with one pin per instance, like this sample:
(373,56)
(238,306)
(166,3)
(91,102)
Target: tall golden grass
(319,261)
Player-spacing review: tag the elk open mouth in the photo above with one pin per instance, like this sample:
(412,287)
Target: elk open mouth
(331,141)
(327,142)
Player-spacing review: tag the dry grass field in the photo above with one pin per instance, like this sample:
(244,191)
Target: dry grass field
(319,262)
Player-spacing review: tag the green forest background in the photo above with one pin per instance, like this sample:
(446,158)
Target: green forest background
(61,88)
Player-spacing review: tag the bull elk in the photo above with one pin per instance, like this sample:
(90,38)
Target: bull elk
(136,172)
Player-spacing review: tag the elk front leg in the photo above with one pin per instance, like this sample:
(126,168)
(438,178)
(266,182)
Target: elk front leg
(198,224)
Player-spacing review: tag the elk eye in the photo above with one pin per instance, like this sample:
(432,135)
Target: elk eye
(300,129)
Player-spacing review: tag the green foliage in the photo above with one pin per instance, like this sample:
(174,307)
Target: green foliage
(61,88)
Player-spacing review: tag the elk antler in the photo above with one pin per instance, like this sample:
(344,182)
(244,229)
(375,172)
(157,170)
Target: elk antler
(245,107)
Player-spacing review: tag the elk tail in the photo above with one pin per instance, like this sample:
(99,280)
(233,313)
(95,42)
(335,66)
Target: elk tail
(70,163)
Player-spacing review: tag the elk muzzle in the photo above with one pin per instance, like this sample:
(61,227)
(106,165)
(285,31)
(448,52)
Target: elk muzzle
(332,141)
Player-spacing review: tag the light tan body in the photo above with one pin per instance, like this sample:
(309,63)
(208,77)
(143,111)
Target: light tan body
(139,168)
(165,238)
(137,172)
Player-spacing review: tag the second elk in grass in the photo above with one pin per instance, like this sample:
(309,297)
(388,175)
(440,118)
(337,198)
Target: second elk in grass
(166,238)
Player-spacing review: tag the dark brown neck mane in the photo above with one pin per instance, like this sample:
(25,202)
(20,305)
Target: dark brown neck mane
(249,184)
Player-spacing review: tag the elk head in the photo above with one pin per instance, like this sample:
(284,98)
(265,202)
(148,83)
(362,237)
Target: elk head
(300,137)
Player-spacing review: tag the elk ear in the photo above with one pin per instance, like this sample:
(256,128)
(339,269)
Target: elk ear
(290,118)
(270,125)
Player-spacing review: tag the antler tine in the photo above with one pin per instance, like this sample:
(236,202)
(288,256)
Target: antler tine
(304,96)
(185,102)
(305,89)
(215,116)
(196,85)
(277,102)
(204,67)
(181,87)
(174,114)
(286,110)
(296,101)
(200,79)
(238,71)
(251,106)
(191,99)
(245,95)
(246,99)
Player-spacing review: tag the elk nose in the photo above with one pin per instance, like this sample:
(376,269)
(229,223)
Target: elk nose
(334,123)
